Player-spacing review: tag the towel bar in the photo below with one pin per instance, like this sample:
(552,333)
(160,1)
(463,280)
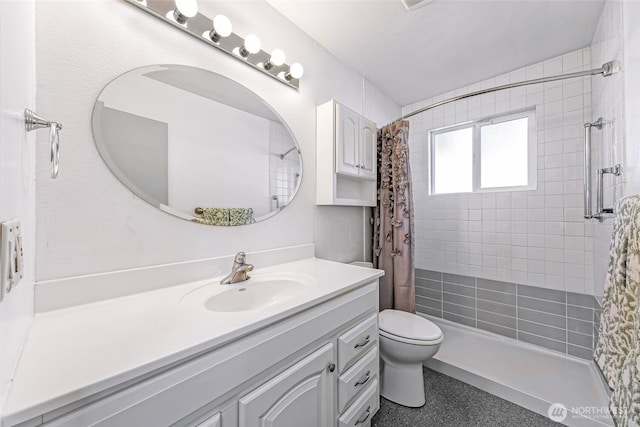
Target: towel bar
(600,210)
(32,121)
(587,165)
(615,170)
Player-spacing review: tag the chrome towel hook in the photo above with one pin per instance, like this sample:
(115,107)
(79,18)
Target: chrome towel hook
(32,121)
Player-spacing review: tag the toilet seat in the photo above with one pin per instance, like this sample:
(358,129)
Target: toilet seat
(408,328)
(409,340)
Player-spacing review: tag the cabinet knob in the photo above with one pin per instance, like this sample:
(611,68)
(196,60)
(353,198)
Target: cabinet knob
(331,367)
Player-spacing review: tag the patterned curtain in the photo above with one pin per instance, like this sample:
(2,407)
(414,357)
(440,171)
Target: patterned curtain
(618,351)
(393,247)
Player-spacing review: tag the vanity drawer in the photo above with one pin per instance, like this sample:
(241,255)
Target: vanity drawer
(357,341)
(359,414)
(357,378)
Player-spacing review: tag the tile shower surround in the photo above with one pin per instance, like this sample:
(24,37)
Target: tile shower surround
(536,237)
(609,142)
(558,320)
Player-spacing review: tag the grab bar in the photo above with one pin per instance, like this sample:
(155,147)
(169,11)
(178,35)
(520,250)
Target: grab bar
(616,170)
(600,209)
(587,165)
(32,121)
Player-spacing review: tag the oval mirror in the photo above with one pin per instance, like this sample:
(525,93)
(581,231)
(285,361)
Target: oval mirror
(197,145)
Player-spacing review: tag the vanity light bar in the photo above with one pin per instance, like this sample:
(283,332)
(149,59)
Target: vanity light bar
(183,14)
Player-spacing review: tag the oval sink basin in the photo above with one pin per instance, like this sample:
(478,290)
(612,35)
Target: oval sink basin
(254,295)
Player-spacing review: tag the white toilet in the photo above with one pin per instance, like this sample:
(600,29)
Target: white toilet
(406,340)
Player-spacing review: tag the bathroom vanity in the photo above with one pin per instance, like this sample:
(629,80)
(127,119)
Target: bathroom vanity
(297,344)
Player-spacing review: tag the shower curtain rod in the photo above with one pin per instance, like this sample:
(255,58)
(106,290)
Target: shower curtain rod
(606,70)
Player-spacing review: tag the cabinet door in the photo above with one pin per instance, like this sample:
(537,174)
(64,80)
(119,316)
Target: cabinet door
(347,141)
(368,149)
(213,421)
(303,395)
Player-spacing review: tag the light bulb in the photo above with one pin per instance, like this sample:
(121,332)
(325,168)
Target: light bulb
(221,28)
(251,45)
(295,71)
(277,58)
(184,10)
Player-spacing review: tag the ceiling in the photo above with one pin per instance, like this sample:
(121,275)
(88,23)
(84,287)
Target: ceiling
(445,44)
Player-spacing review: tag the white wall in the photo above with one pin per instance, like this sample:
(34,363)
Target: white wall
(17,171)
(88,222)
(617,100)
(536,237)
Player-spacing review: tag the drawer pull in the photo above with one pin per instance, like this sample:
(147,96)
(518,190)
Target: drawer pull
(365,378)
(364,342)
(332,367)
(364,417)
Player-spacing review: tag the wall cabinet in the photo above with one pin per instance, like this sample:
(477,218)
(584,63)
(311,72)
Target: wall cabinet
(355,141)
(346,157)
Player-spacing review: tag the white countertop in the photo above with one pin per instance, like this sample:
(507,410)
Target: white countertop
(76,352)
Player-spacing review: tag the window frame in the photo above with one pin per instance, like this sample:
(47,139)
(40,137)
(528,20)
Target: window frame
(477,125)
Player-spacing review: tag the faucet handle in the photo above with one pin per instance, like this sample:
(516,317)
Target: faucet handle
(240,257)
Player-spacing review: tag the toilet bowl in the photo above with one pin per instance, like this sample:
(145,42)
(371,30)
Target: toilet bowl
(406,340)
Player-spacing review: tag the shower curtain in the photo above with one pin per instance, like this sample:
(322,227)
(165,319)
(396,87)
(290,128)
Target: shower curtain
(393,220)
(618,351)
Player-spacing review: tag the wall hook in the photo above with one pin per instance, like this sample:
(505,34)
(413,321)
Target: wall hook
(32,121)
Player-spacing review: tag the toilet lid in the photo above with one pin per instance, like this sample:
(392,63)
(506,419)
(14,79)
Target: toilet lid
(408,325)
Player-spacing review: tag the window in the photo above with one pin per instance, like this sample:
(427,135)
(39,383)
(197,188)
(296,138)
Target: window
(495,154)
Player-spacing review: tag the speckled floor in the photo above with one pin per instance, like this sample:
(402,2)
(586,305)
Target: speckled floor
(452,403)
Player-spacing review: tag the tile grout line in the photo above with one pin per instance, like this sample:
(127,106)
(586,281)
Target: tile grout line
(566,309)
(442,294)
(501,326)
(565,302)
(479,310)
(517,313)
(475,302)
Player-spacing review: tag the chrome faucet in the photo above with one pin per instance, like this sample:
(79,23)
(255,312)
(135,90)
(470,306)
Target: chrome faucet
(238,271)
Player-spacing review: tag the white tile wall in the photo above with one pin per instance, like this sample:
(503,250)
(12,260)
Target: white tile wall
(529,237)
(608,143)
